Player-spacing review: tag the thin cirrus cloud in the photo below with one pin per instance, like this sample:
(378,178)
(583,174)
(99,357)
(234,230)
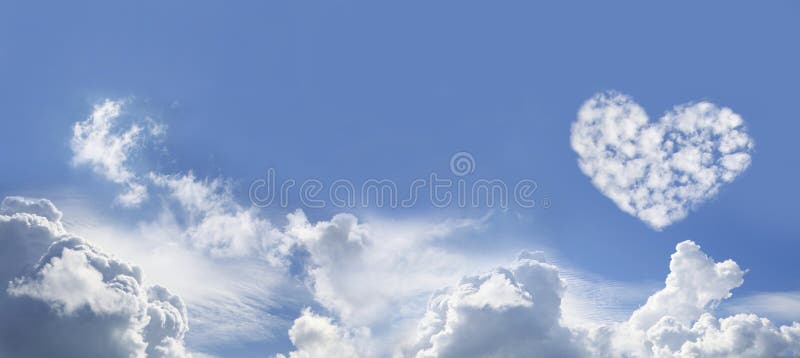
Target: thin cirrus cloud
(659,171)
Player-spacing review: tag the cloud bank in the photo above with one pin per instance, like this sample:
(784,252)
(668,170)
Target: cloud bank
(515,312)
(659,171)
(74,291)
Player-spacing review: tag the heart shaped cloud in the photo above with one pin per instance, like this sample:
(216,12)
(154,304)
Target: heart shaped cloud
(659,171)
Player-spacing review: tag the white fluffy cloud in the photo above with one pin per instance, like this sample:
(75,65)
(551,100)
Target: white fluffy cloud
(678,321)
(27,228)
(516,312)
(507,312)
(215,222)
(200,226)
(375,276)
(202,234)
(99,143)
(695,284)
(72,300)
(222,258)
(76,291)
(317,336)
(659,171)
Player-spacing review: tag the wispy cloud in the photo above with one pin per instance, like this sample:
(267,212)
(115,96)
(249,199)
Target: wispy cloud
(106,145)
(781,306)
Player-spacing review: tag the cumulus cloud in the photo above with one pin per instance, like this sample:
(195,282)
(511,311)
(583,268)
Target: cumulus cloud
(101,144)
(377,275)
(694,285)
(678,320)
(26,231)
(659,171)
(71,299)
(230,284)
(39,207)
(318,336)
(230,300)
(75,290)
(506,312)
(515,311)
(250,268)
(335,250)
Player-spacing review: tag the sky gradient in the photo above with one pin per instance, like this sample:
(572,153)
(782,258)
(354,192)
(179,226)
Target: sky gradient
(361,90)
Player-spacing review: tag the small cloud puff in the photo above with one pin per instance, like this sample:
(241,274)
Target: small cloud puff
(318,336)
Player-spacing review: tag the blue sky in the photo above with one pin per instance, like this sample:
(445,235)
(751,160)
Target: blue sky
(359,90)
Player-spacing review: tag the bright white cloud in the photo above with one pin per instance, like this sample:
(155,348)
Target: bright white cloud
(365,274)
(318,336)
(694,285)
(75,300)
(230,299)
(659,171)
(220,256)
(678,321)
(216,223)
(352,269)
(377,275)
(742,335)
(516,312)
(99,143)
(507,312)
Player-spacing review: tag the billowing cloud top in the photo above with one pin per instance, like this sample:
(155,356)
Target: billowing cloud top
(515,312)
(64,297)
(506,312)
